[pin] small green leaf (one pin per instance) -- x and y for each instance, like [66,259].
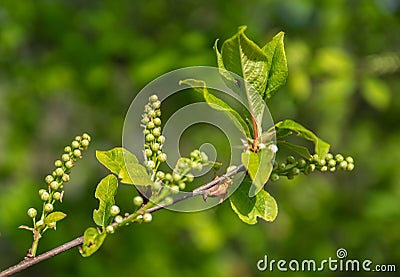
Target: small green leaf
[92,241]
[54,217]
[301,150]
[105,192]
[135,174]
[218,104]
[115,159]
[249,208]
[259,166]
[277,65]
[321,147]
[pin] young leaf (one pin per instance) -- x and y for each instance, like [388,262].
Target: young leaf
[135,174]
[218,104]
[244,58]
[92,241]
[321,147]
[54,217]
[277,65]
[249,208]
[259,166]
[115,159]
[105,192]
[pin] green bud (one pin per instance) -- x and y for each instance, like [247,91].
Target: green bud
[174,189]
[118,219]
[190,177]
[52,225]
[45,196]
[197,166]
[195,154]
[343,165]
[48,208]
[114,210]
[138,200]
[150,125]
[176,177]
[181,185]
[331,163]
[32,212]
[161,139]
[85,143]
[160,175]
[324,168]
[162,157]
[295,171]
[49,179]
[69,164]
[78,138]
[274,177]
[110,229]
[41,191]
[332,169]
[312,167]
[155,146]
[147,217]
[315,157]
[168,177]
[54,185]
[75,144]
[58,163]
[350,167]
[65,157]
[328,157]
[290,160]
[151,164]
[67,149]
[156,132]
[322,162]
[148,153]
[77,153]
[149,137]
[153,98]
[57,196]
[158,113]
[157,121]
[39,223]
[349,160]
[156,105]
[145,119]
[86,136]
[301,163]
[281,167]
[65,177]
[339,158]
[59,171]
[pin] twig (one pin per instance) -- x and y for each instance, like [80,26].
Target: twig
[28,262]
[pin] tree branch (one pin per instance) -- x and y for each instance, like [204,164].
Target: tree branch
[28,262]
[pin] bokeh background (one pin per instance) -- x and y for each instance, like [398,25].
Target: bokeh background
[68,67]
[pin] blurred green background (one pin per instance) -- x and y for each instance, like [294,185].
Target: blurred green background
[68,67]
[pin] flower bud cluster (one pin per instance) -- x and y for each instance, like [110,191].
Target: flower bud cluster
[293,167]
[181,175]
[154,139]
[55,181]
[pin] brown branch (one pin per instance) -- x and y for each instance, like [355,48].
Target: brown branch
[28,262]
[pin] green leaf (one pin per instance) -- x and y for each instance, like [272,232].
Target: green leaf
[259,166]
[277,69]
[135,174]
[115,159]
[301,150]
[54,217]
[243,57]
[92,241]
[321,147]
[105,192]
[218,104]
[249,208]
